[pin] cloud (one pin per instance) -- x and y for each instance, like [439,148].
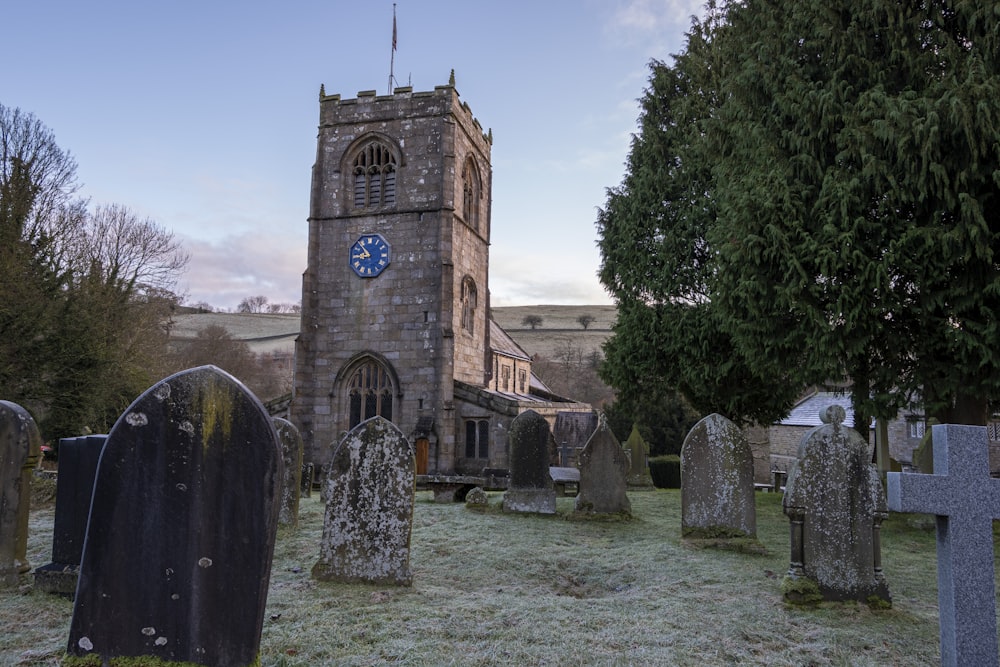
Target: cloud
[651,21]
[224,272]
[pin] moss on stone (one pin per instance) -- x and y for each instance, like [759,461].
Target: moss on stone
[878,602]
[801,591]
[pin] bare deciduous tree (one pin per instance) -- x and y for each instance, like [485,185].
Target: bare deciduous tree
[533,321]
[252,304]
[585,321]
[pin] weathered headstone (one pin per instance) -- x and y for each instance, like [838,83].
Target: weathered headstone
[477,498]
[965,500]
[20,447]
[370,490]
[717,492]
[179,542]
[638,450]
[603,472]
[78,459]
[530,489]
[306,483]
[291,455]
[835,504]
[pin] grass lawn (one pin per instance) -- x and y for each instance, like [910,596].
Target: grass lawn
[498,589]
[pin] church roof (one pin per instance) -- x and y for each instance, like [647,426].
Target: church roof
[502,343]
[806,412]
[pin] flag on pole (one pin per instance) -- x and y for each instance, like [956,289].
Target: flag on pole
[394,26]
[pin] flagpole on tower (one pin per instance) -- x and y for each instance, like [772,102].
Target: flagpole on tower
[392,59]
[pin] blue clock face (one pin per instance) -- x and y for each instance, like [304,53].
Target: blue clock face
[370,255]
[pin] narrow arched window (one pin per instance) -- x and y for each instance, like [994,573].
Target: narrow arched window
[374,176]
[471,193]
[370,393]
[469,298]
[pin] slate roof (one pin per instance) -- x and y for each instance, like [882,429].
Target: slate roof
[806,412]
[502,343]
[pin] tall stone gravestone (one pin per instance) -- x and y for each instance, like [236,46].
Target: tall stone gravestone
[835,504]
[638,450]
[20,447]
[370,488]
[291,483]
[570,434]
[530,489]
[965,500]
[78,459]
[603,471]
[717,492]
[179,542]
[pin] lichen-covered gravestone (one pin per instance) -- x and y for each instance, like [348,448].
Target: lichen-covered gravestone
[717,493]
[20,447]
[603,471]
[179,542]
[965,500]
[835,504]
[370,488]
[78,459]
[638,449]
[291,483]
[530,489]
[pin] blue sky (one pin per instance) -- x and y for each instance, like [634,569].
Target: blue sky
[202,115]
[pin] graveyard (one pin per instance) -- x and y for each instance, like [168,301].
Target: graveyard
[495,588]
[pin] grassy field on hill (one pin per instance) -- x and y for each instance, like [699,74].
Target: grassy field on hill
[499,589]
[559,327]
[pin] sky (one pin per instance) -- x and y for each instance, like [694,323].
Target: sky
[202,116]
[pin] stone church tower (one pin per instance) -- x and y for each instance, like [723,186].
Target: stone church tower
[395,296]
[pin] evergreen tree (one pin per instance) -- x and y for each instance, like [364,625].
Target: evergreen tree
[818,181]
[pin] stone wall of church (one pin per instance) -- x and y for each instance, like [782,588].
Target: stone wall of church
[405,317]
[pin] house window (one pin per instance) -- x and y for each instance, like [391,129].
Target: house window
[374,176]
[522,380]
[468,297]
[916,429]
[993,431]
[477,439]
[471,189]
[505,378]
[370,393]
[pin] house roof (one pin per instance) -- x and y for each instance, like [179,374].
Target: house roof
[502,343]
[806,412]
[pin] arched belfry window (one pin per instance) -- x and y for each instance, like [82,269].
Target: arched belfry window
[370,391]
[471,193]
[374,175]
[469,298]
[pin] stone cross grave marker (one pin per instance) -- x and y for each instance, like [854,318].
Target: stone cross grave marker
[20,447]
[835,505]
[965,500]
[291,483]
[603,471]
[717,493]
[530,489]
[177,557]
[370,488]
[78,459]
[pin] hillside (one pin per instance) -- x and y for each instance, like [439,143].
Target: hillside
[559,328]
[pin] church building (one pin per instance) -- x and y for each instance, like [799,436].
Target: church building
[395,296]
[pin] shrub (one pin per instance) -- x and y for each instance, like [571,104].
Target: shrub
[665,471]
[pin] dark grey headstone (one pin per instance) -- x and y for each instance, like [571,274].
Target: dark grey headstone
[530,489]
[717,492]
[965,500]
[179,542]
[291,454]
[78,459]
[571,432]
[835,504]
[20,447]
[370,491]
[603,472]
[306,483]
